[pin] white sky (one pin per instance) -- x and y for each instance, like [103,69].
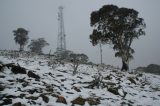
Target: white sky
[40,18]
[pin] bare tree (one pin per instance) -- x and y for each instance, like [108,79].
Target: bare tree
[76,60]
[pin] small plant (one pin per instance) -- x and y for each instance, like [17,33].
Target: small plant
[76,60]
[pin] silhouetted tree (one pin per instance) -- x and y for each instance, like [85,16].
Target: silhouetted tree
[21,37]
[76,60]
[117,27]
[37,45]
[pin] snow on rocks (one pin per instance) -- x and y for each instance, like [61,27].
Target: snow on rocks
[45,85]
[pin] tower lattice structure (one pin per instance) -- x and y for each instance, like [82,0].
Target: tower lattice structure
[61,44]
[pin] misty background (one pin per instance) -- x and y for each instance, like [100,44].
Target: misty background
[39,17]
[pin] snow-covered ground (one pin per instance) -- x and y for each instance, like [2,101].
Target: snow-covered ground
[58,82]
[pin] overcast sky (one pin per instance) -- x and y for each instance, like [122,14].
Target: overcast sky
[40,18]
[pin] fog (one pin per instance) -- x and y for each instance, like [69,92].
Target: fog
[39,17]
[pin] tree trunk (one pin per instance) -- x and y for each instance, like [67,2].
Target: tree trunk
[21,48]
[75,71]
[75,68]
[100,45]
[125,65]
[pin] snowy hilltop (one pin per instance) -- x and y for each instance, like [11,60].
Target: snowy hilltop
[34,81]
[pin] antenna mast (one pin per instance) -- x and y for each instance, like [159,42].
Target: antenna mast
[61,44]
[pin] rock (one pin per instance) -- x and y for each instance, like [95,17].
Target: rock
[62,80]
[18,70]
[79,101]
[70,92]
[6,102]
[22,96]
[11,80]
[132,80]
[1,67]
[2,88]
[31,91]
[76,89]
[140,75]
[1,76]
[93,101]
[108,77]
[25,84]
[59,75]
[19,89]
[61,99]
[33,75]
[55,95]
[37,80]
[49,88]
[131,102]
[2,96]
[10,65]
[20,80]
[32,102]
[18,104]
[113,90]
[11,96]
[79,77]
[124,103]
[117,91]
[32,98]
[45,98]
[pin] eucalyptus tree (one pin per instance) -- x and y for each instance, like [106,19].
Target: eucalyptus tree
[37,45]
[117,27]
[21,37]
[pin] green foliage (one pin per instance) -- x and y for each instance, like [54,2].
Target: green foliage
[37,45]
[21,37]
[117,27]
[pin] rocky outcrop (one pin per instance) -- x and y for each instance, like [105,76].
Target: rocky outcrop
[6,102]
[61,99]
[117,91]
[76,89]
[33,75]
[18,104]
[32,98]
[132,80]
[79,101]
[93,101]
[18,70]
[45,98]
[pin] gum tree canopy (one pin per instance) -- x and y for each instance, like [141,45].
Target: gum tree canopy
[37,45]
[117,27]
[21,37]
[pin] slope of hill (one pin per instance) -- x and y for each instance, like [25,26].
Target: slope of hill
[45,85]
